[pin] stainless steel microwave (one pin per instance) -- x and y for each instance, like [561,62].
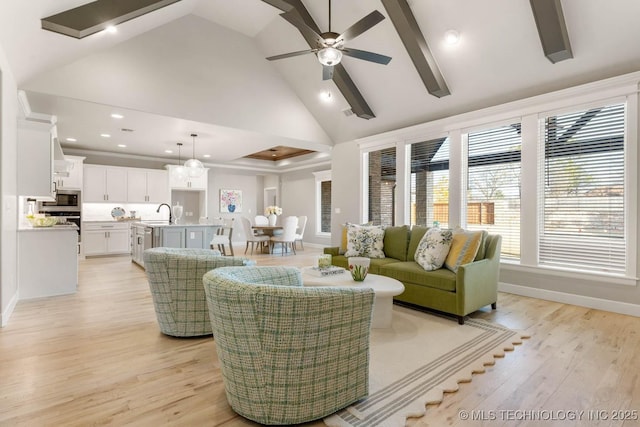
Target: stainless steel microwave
[65,199]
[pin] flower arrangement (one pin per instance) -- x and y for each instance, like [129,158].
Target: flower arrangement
[273,210]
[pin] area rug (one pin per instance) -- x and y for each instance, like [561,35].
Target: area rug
[418,359]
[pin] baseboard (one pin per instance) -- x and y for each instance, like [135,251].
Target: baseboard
[565,298]
[7,313]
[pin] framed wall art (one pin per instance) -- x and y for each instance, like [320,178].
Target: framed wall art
[231,201]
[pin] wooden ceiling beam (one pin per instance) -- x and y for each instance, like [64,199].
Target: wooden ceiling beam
[341,78]
[552,29]
[414,42]
[96,16]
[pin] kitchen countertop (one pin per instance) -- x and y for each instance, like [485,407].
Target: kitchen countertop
[160,224]
[65,227]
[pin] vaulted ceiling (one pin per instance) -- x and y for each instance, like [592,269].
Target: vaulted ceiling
[199,66]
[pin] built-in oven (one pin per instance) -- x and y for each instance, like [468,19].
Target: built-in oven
[66,200]
[69,216]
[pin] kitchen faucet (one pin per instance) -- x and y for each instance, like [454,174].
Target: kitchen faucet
[170,216]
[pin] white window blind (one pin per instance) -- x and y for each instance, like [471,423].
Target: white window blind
[430,182]
[583,212]
[493,185]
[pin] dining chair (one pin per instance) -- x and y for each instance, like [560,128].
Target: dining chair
[302,223]
[251,236]
[223,238]
[288,236]
[262,221]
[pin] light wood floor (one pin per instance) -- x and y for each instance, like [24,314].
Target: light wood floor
[98,358]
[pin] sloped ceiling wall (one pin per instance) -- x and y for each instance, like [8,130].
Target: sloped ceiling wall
[189,68]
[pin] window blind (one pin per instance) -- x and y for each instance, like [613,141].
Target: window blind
[430,182]
[493,185]
[583,213]
[382,182]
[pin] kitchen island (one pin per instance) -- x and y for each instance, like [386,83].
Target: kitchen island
[47,261]
[153,234]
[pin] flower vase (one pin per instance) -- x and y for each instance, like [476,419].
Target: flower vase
[272,220]
[359,267]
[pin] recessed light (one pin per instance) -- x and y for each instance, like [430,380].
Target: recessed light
[111,29]
[105,135]
[71,140]
[207,155]
[325,96]
[274,155]
[168,151]
[452,37]
[117,116]
[122,146]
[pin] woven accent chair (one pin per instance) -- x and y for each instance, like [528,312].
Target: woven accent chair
[288,353]
[175,279]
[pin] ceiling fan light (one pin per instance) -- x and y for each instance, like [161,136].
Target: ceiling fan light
[329,56]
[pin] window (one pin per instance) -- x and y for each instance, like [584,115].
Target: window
[430,182]
[323,202]
[382,183]
[583,214]
[493,185]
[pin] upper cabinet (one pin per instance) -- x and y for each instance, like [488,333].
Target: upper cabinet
[35,149]
[74,180]
[150,186]
[195,184]
[104,184]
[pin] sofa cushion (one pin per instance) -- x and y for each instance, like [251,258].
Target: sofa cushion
[433,248]
[366,241]
[374,267]
[417,231]
[464,248]
[396,240]
[411,272]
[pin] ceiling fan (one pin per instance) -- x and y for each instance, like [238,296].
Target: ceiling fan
[330,46]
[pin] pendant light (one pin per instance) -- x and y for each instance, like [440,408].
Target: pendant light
[179,172]
[194,167]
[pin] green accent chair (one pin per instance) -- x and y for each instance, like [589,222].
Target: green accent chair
[288,353]
[175,280]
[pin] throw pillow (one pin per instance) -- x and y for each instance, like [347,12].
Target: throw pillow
[343,240]
[396,240]
[433,248]
[464,247]
[367,241]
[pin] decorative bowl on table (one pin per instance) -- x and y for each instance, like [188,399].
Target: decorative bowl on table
[47,221]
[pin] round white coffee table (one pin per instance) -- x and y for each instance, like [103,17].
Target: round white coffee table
[385,288]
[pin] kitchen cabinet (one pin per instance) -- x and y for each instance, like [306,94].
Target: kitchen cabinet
[35,153]
[147,186]
[74,180]
[105,238]
[187,236]
[196,184]
[104,184]
[173,237]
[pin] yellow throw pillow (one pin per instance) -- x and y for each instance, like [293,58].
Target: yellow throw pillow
[464,248]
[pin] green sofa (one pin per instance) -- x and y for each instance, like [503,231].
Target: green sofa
[474,286]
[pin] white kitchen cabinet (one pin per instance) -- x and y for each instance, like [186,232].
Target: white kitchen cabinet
[74,180]
[147,186]
[196,184]
[35,154]
[105,238]
[104,184]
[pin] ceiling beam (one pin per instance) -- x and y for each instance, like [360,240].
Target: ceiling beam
[552,29]
[340,76]
[93,17]
[416,46]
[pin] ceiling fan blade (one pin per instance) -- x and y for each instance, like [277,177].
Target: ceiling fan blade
[367,56]
[291,54]
[327,72]
[308,32]
[361,26]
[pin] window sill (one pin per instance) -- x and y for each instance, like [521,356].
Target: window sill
[614,279]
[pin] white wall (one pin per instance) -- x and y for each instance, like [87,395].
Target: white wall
[228,179]
[8,175]
[345,188]
[299,198]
